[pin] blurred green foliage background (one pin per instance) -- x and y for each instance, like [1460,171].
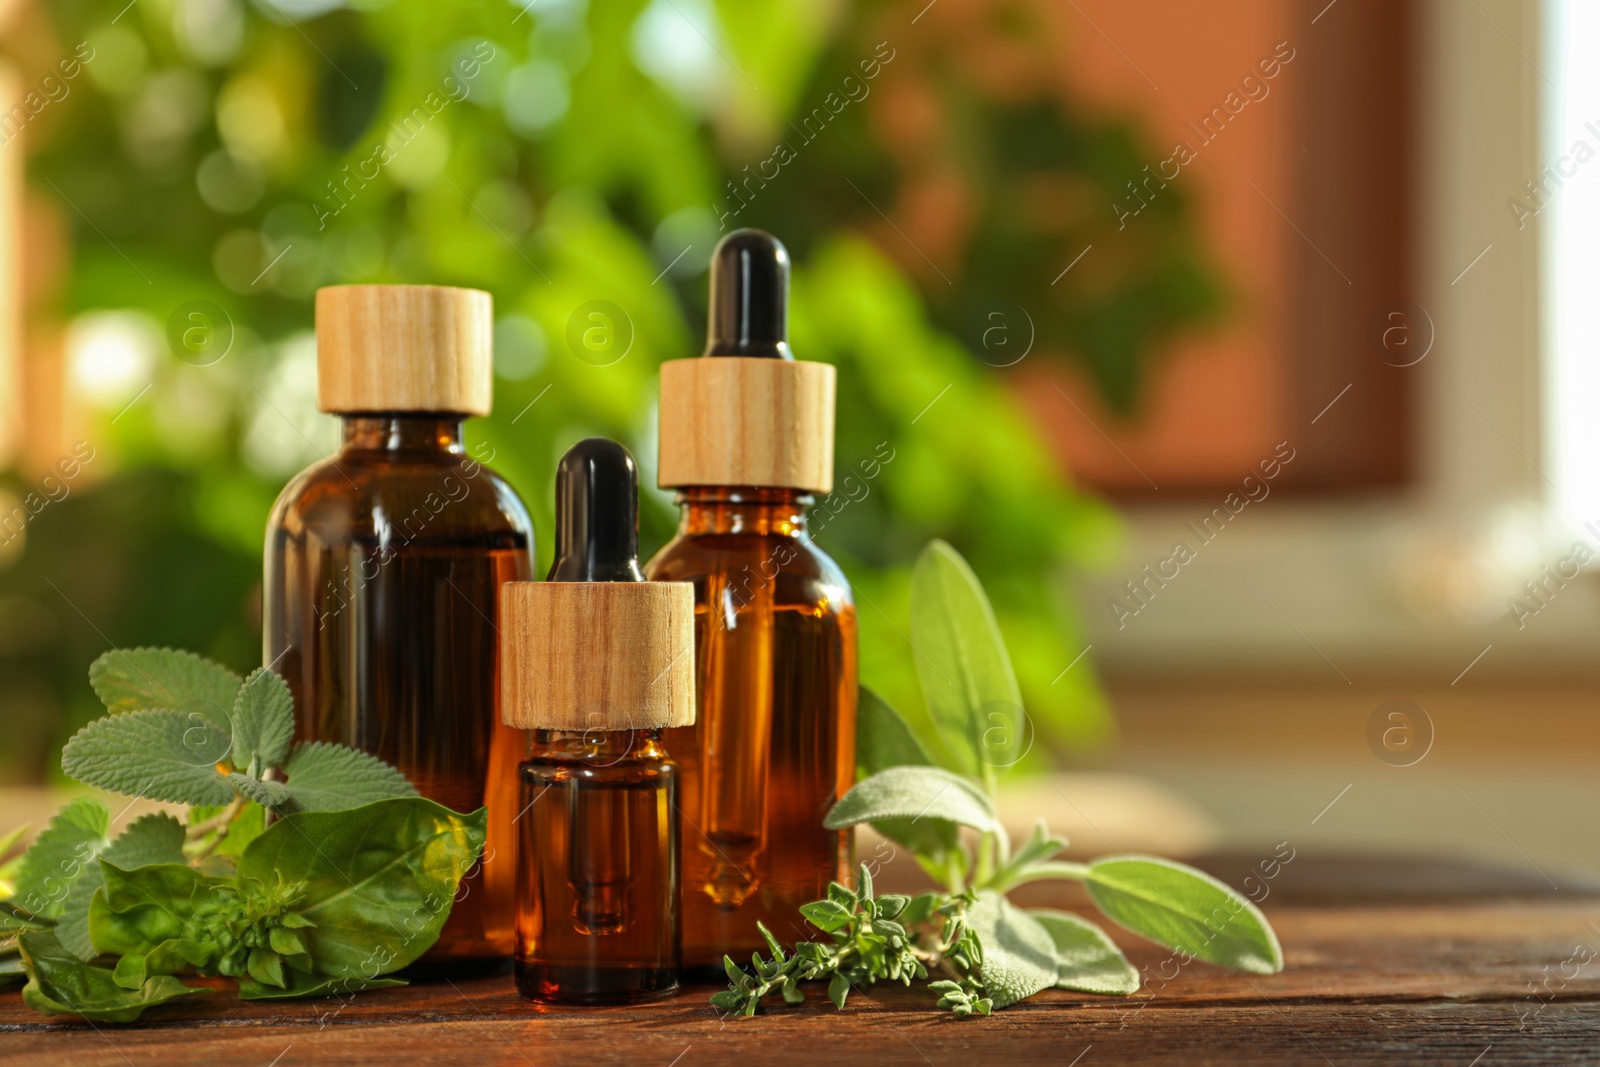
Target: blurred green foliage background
[223,151]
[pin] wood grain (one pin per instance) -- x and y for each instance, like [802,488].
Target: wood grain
[733,420]
[597,655]
[404,348]
[1367,983]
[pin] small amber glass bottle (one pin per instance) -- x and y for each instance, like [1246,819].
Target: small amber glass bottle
[597,662]
[746,437]
[383,570]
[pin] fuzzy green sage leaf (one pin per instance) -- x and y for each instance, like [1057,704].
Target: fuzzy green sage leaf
[1086,959]
[1185,910]
[141,679]
[158,755]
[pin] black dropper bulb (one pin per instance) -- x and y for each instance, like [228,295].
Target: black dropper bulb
[597,514]
[749,297]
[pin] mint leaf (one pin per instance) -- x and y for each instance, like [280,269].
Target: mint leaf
[159,755]
[883,738]
[141,679]
[61,984]
[327,777]
[1086,959]
[149,839]
[966,673]
[59,856]
[1186,910]
[914,793]
[267,794]
[262,723]
[1019,957]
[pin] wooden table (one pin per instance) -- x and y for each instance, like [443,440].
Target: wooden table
[1387,962]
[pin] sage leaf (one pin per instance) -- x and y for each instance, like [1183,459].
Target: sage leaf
[297,984]
[158,755]
[883,738]
[967,679]
[1086,959]
[59,856]
[377,881]
[262,723]
[914,793]
[156,838]
[1185,910]
[59,983]
[1019,957]
[142,679]
[326,777]
[267,794]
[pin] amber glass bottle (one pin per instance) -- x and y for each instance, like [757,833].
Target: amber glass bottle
[746,437]
[383,570]
[597,662]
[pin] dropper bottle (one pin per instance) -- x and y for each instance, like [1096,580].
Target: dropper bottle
[746,438]
[597,662]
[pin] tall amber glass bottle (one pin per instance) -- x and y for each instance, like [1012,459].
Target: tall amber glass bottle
[597,662]
[384,565]
[746,438]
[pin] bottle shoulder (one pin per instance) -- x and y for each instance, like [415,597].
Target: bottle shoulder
[786,560]
[448,498]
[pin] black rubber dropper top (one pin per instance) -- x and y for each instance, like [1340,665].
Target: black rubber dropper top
[597,514]
[749,297]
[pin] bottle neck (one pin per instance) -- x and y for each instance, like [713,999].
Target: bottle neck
[743,510]
[599,747]
[397,434]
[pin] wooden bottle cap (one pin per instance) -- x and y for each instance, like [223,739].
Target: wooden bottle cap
[597,655]
[404,348]
[747,421]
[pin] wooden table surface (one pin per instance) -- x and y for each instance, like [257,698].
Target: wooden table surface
[1391,962]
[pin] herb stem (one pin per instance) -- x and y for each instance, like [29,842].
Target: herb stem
[217,824]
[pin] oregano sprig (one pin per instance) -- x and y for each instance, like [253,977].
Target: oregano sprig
[300,870]
[929,786]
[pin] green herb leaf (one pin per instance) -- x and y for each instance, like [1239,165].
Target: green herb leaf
[966,673]
[883,738]
[378,881]
[828,916]
[1026,863]
[838,989]
[61,984]
[263,723]
[914,793]
[297,984]
[156,838]
[1086,959]
[159,755]
[267,794]
[325,777]
[59,856]
[1186,910]
[139,910]
[1019,957]
[143,679]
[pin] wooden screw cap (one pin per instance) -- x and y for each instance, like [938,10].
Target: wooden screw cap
[404,348]
[747,420]
[597,655]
